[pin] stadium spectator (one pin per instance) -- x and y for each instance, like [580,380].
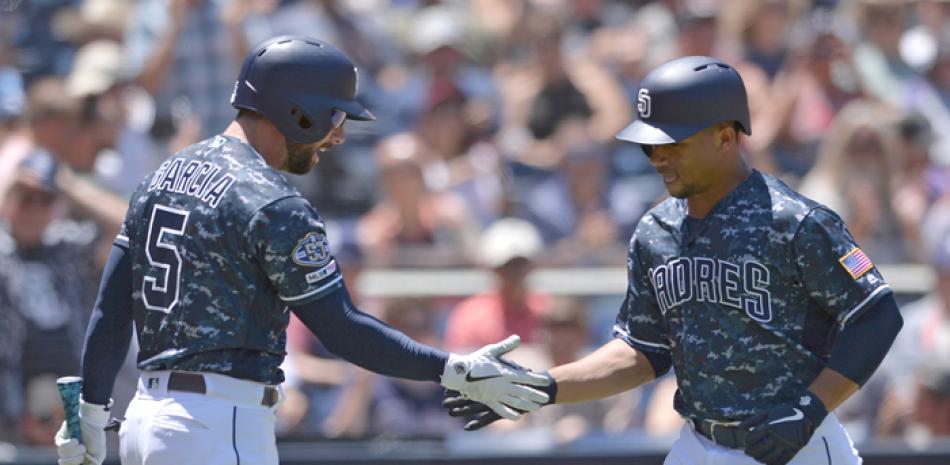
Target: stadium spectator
[57,122]
[570,206]
[185,53]
[48,278]
[926,334]
[929,93]
[877,59]
[39,49]
[816,83]
[490,109]
[931,417]
[856,176]
[508,248]
[122,152]
[412,225]
[922,181]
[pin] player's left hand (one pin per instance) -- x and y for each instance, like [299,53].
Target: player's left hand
[503,387]
[92,450]
[776,435]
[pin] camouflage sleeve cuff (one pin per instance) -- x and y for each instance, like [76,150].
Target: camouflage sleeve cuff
[639,344]
[850,315]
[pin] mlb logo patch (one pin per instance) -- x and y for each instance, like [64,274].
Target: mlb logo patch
[316,276]
[856,262]
[312,250]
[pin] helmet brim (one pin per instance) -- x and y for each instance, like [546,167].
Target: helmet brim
[356,111]
[643,133]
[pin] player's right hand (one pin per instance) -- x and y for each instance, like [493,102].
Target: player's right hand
[92,449]
[503,387]
[479,415]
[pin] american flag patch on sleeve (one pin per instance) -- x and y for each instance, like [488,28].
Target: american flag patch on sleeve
[856,262]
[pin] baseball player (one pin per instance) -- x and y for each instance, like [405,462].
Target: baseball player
[767,309]
[215,250]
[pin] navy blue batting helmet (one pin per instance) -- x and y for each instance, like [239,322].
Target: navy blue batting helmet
[297,83]
[684,96]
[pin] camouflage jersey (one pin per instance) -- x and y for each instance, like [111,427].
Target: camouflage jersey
[747,303]
[221,244]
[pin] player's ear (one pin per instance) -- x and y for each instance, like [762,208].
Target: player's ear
[726,136]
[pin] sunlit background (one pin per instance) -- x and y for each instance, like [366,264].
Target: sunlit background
[489,197]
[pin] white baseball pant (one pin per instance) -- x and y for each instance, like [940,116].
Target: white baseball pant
[830,445]
[225,426]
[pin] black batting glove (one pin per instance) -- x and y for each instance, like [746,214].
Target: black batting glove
[478,414]
[776,435]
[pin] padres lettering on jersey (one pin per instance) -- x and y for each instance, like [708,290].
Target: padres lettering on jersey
[221,244]
[746,303]
[704,279]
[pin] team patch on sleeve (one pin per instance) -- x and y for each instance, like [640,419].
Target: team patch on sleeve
[312,250]
[856,262]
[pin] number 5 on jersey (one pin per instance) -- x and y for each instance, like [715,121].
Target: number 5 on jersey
[161,282]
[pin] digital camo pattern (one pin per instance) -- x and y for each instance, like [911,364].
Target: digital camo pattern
[221,243]
[70,388]
[749,303]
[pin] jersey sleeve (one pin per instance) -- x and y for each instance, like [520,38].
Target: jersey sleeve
[639,322]
[290,244]
[835,272]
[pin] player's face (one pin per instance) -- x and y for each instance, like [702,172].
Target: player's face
[301,158]
[690,166]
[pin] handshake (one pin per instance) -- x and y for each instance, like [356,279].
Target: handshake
[484,384]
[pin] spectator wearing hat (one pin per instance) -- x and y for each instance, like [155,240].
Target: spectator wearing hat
[508,248]
[47,274]
[50,121]
[58,129]
[121,152]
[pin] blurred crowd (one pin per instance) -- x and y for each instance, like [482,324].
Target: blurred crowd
[494,149]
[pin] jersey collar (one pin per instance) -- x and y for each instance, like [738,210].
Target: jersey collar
[674,219]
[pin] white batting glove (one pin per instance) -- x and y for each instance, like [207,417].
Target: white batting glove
[483,377]
[70,450]
[92,450]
